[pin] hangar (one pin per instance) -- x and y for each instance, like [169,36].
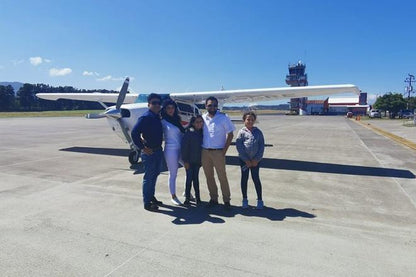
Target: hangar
[337,106]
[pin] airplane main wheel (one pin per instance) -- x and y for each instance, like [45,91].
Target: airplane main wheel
[134,157]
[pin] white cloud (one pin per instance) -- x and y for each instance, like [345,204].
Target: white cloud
[90,73]
[59,71]
[17,62]
[106,78]
[38,60]
[86,73]
[117,79]
[111,78]
[35,60]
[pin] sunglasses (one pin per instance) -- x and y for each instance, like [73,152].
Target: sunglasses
[212,105]
[155,103]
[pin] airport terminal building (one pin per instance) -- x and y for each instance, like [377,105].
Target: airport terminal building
[357,105]
[337,106]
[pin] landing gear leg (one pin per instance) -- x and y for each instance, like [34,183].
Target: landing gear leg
[134,157]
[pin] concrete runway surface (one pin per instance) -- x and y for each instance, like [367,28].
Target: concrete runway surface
[340,201]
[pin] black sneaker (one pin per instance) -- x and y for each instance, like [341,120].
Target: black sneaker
[155,201]
[187,202]
[227,206]
[212,203]
[198,201]
[152,207]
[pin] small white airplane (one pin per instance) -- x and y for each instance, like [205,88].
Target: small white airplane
[129,107]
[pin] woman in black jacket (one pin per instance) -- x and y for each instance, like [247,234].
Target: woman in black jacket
[191,155]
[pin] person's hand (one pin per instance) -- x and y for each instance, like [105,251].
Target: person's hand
[147,150]
[248,164]
[254,163]
[186,165]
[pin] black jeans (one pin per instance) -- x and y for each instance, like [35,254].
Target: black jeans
[192,177]
[254,175]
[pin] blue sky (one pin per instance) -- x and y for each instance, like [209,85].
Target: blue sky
[174,46]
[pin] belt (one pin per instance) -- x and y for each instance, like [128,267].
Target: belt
[213,149]
[156,148]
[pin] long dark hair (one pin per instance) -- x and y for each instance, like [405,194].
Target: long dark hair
[176,118]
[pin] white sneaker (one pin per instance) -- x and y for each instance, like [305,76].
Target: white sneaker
[176,201]
[245,203]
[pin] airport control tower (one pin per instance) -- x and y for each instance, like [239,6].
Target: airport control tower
[297,78]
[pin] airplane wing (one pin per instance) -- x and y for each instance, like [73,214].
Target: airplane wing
[224,96]
[265,94]
[95,96]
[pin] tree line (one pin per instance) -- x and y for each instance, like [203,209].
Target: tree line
[25,99]
[394,102]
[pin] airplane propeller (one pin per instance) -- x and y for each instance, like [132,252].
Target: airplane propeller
[122,94]
[113,112]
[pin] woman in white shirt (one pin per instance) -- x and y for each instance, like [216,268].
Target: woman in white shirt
[173,132]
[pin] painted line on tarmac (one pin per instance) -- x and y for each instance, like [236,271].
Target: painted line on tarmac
[389,135]
[380,161]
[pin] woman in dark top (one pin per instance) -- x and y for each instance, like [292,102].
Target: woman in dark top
[191,155]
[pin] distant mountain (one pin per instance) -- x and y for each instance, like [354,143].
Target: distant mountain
[16,85]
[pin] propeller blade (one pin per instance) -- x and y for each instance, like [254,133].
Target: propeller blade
[122,93]
[95,115]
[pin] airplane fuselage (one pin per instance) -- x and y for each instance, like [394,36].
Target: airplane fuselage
[131,113]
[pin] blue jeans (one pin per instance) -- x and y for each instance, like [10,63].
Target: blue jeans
[254,175]
[192,176]
[152,164]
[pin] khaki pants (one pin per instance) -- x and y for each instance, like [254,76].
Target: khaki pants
[215,159]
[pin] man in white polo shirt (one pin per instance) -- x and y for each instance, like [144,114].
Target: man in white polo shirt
[218,134]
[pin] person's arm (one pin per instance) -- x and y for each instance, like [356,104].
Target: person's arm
[136,133]
[229,128]
[228,142]
[185,150]
[242,154]
[260,151]
[239,143]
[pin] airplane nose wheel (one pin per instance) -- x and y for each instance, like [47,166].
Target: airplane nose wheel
[134,157]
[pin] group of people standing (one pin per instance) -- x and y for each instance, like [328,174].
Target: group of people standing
[203,143]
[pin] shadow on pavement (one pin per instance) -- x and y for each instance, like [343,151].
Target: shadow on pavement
[272,164]
[328,168]
[199,214]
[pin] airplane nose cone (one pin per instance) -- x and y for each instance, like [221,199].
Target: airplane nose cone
[114,113]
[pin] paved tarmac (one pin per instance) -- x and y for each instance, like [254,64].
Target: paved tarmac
[341,201]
